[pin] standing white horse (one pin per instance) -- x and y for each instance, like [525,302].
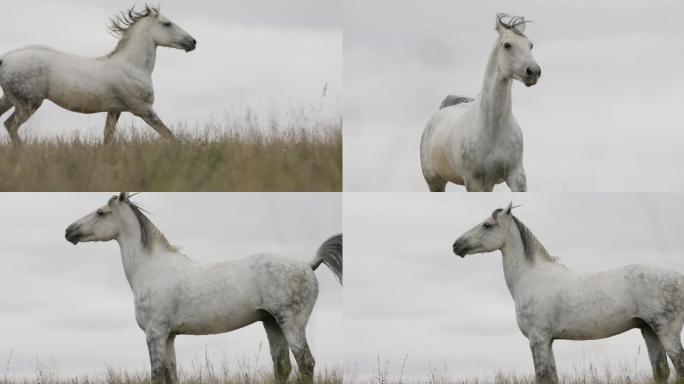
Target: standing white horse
[175,295]
[553,302]
[478,143]
[118,82]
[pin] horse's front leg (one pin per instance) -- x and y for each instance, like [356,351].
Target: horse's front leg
[474,185]
[544,364]
[516,180]
[157,342]
[151,118]
[171,359]
[110,126]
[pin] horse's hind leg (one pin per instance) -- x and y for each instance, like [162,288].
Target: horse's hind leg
[296,337]
[657,355]
[19,116]
[669,336]
[110,126]
[280,352]
[5,105]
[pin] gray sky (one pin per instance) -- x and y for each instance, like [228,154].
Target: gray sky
[267,55]
[407,293]
[603,117]
[71,307]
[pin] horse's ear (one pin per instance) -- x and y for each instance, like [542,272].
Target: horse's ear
[123,196]
[521,26]
[499,16]
[509,208]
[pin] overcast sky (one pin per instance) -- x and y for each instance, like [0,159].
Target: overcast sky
[268,55]
[605,115]
[70,307]
[406,293]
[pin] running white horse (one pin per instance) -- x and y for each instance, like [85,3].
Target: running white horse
[478,143]
[175,295]
[553,302]
[118,82]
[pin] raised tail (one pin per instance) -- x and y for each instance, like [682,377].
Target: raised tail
[454,100]
[330,254]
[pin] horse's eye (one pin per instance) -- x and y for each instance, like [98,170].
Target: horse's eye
[486,225]
[531,45]
[166,23]
[100,212]
[507,45]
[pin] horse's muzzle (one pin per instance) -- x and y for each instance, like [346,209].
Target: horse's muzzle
[72,235]
[532,75]
[460,248]
[191,46]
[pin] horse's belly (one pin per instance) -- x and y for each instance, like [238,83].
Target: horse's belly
[82,98]
[217,322]
[595,315]
[598,329]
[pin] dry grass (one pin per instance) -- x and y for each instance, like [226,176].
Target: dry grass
[583,372]
[201,372]
[209,159]
[113,377]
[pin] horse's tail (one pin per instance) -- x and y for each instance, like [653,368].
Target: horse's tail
[330,254]
[454,100]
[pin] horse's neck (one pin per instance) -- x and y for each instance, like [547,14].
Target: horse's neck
[138,260]
[495,96]
[134,258]
[516,267]
[138,49]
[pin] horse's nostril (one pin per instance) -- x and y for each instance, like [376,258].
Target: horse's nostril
[194,41]
[529,71]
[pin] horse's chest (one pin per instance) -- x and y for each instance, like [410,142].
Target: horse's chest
[491,161]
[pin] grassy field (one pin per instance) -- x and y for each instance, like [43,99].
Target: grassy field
[201,371]
[327,377]
[210,159]
[582,372]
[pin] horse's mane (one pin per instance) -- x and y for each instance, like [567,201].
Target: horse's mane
[149,233]
[122,22]
[511,22]
[533,248]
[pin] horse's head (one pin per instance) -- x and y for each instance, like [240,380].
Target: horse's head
[167,34]
[514,49]
[150,21]
[103,224]
[488,236]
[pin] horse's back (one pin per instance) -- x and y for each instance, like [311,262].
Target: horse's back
[76,83]
[653,284]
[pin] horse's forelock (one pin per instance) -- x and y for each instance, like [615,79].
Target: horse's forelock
[512,22]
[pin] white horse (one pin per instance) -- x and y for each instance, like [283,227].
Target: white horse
[175,295]
[478,143]
[118,82]
[553,302]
